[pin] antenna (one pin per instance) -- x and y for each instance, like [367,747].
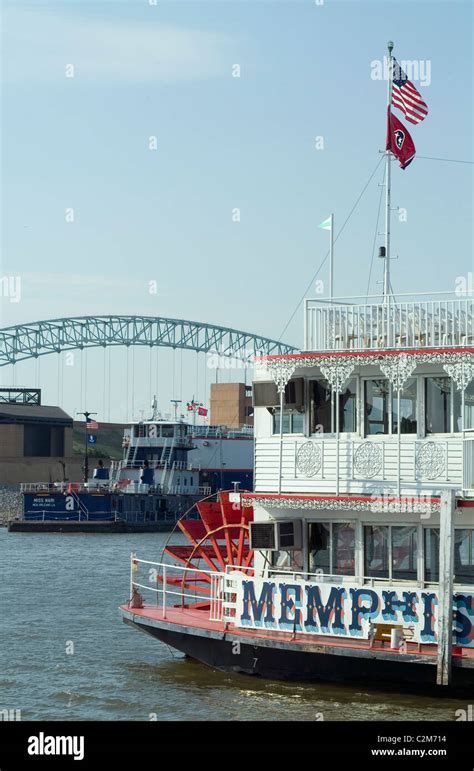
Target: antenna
[175,403]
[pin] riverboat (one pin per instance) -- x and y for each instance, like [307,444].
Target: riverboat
[352,560]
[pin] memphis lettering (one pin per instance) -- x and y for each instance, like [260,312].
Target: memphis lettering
[348,611]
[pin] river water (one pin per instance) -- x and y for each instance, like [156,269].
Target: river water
[66,654]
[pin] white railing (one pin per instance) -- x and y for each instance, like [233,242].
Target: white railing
[158,574]
[65,487]
[223,586]
[183,465]
[187,490]
[180,442]
[426,323]
[352,465]
[222,597]
[138,464]
[370,581]
[135,486]
[160,465]
[78,516]
[217,597]
[468,462]
[132,486]
[216,432]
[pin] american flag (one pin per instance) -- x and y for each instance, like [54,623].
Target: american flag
[406,97]
[92,424]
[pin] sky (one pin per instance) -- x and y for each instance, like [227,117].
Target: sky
[194,147]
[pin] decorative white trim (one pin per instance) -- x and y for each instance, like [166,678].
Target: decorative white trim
[308,459]
[368,460]
[398,369]
[358,358]
[373,504]
[431,460]
[336,372]
[461,372]
[281,370]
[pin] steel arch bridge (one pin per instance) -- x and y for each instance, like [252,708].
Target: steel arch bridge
[26,341]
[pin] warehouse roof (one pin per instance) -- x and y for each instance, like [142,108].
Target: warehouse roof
[33,413]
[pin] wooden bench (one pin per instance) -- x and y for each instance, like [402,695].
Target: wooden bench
[383,632]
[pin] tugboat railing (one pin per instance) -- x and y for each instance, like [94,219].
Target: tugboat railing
[161,465]
[65,487]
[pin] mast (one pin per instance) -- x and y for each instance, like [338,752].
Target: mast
[388,159]
[331,261]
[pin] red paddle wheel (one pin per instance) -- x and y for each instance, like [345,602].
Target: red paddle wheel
[219,538]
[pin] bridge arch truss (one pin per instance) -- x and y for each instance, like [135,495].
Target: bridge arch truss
[26,341]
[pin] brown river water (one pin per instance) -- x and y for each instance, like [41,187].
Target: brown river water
[66,654]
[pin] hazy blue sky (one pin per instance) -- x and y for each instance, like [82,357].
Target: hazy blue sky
[223,142]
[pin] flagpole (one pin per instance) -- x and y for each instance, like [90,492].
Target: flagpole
[331,260]
[388,159]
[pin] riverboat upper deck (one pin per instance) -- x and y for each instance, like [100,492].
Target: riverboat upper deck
[441,320]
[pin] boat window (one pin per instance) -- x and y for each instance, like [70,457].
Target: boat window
[167,431]
[323,418]
[390,551]
[288,560]
[320,407]
[331,547]
[469,406]
[404,552]
[343,549]
[348,408]
[438,405]
[376,409]
[376,551]
[408,399]
[432,554]
[463,555]
[319,553]
[293,421]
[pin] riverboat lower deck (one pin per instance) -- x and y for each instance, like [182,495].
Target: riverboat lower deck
[295,656]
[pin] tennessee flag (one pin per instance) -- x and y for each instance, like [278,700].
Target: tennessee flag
[399,141]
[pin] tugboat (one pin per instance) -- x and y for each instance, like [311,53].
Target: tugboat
[353,558]
[167,466]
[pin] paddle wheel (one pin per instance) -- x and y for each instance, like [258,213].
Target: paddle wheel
[218,540]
